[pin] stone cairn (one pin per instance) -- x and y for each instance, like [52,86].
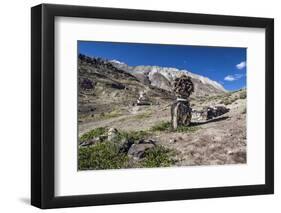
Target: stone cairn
[181,111]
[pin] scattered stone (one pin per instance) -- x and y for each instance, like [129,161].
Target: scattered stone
[209,112]
[112,134]
[148,141]
[173,140]
[216,111]
[125,145]
[91,141]
[199,114]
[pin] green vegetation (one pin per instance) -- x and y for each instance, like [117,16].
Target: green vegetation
[157,157]
[101,156]
[93,133]
[162,126]
[101,131]
[166,126]
[187,129]
[132,135]
[107,155]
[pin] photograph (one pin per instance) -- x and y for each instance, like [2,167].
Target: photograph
[144,105]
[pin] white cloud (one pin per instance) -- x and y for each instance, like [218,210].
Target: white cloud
[241,65]
[233,77]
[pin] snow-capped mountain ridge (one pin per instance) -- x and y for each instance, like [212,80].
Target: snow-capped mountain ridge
[162,77]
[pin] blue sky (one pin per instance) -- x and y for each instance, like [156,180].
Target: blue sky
[226,65]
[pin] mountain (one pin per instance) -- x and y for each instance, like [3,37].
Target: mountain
[110,87]
[106,89]
[162,77]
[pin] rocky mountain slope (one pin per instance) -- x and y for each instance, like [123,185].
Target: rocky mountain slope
[162,77]
[105,90]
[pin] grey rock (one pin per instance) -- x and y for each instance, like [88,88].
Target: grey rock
[91,141]
[112,134]
[173,140]
[216,111]
[125,145]
[146,141]
[137,151]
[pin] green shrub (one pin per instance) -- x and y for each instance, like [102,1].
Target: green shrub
[101,156]
[157,157]
[93,133]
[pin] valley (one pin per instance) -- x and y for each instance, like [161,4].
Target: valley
[108,101]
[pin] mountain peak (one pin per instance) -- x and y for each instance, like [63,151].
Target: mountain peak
[162,77]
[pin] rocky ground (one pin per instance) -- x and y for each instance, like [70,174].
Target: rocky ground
[221,140]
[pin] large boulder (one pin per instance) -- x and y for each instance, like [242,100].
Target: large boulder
[123,144]
[137,151]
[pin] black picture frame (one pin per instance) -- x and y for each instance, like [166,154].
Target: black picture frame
[43,102]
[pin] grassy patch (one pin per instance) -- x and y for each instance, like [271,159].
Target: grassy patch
[93,133]
[107,155]
[166,126]
[157,157]
[187,129]
[133,135]
[163,126]
[101,156]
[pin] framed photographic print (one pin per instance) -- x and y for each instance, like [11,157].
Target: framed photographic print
[139,106]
